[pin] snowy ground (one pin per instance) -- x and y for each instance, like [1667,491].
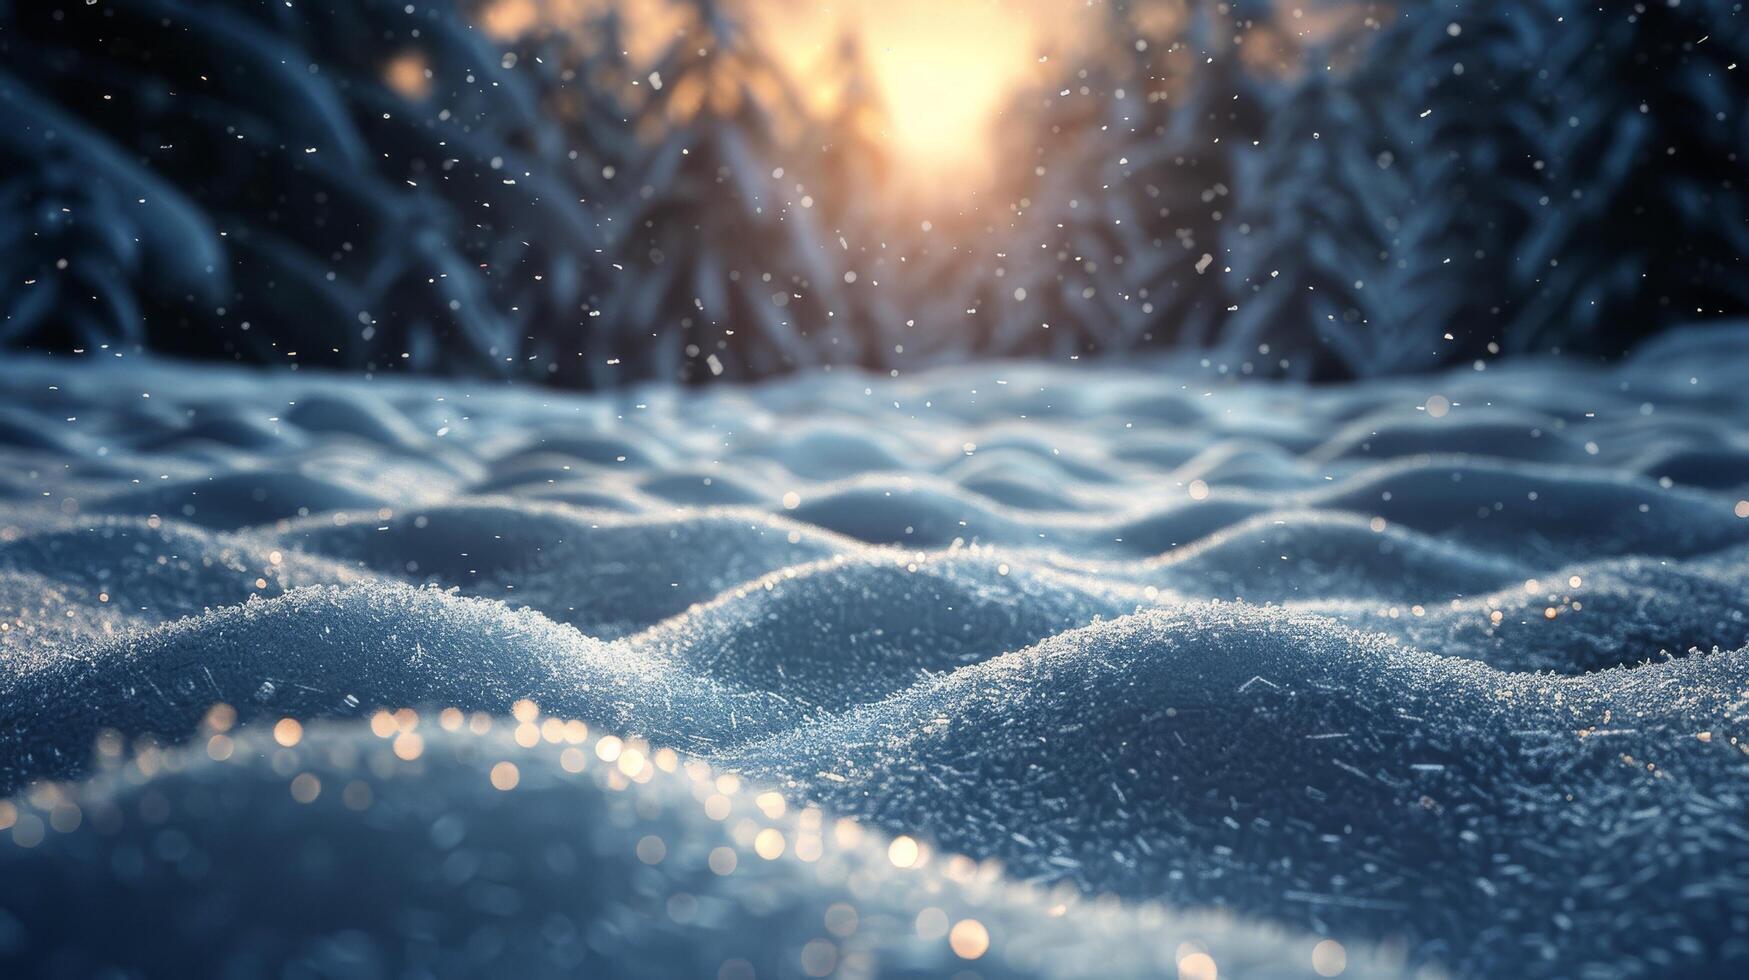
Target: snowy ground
[1154,675]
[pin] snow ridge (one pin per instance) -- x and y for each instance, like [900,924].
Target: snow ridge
[1454,664]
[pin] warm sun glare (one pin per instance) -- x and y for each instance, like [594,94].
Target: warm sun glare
[944,69]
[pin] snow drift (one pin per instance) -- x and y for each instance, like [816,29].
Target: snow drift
[1451,670]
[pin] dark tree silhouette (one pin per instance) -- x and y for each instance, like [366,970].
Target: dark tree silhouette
[345,220]
[725,269]
[1476,178]
[1325,189]
[1117,239]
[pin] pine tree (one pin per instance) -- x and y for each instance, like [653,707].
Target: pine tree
[1479,178]
[1350,208]
[85,237]
[1642,139]
[1117,249]
[849,177]
[590,94]
[379,182]
[724,268]
[1329,190]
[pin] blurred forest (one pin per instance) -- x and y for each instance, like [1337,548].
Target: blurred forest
[1310,188]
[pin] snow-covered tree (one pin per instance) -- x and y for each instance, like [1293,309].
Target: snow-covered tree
[724,268]
[379,186]
[1328,188]
[850,178]
[1470,178]
[1116,240]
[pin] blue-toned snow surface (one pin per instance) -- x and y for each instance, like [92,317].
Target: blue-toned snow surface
[1007,670]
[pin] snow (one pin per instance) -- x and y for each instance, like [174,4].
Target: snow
[1452,690]
[480,856]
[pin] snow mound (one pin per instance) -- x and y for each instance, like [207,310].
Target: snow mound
[324,651]
[1186,754]
[466,853]
[1454,666]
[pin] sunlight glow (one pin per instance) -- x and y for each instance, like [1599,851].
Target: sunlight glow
[943,70]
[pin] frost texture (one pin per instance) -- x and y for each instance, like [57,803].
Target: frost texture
[570,875]
[1453,664]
